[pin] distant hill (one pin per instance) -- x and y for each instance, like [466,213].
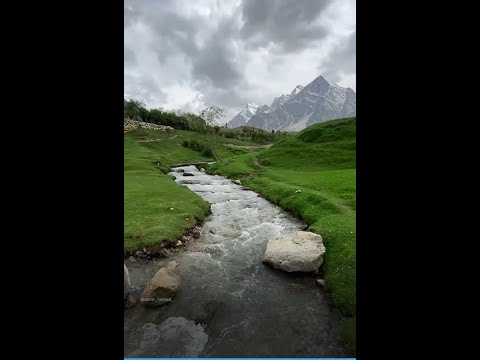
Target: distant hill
[329,145]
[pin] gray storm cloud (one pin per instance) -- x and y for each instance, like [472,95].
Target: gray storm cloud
[188,54]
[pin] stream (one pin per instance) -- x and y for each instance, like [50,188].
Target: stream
[229,303]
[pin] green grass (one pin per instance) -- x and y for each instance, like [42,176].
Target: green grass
[149,193]
[313,175]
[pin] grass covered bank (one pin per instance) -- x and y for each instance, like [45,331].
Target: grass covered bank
[150,194]
[313,175]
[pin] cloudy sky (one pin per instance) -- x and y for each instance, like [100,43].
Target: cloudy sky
[188,54]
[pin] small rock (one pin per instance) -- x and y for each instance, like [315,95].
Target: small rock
[130,302]
[200,318]
[202,169]
[172,209]
[238,182]
[186,219]
[298,191]
[205,313]
[179,243]
[211,231]
[187,174]
[321,282]
[139,253]
[184,238]
[171,265]
[165,252]
[179,170]
[196,233]
[132,259]
[213,249]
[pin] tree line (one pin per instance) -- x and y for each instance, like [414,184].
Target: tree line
[204,122]
[136,110]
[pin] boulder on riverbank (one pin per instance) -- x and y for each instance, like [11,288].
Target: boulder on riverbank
[161,288]
[301,251]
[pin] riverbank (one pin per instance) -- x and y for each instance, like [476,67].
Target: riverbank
[229,299]
[156,209]
[313,176]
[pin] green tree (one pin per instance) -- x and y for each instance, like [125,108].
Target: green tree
[134,109]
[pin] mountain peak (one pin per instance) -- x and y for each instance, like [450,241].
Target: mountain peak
[320,77]
[316,102]
[297,89]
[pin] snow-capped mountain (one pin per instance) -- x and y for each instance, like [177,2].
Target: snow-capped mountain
[243,116]
[317,102]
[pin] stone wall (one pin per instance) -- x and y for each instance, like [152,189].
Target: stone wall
[129,125]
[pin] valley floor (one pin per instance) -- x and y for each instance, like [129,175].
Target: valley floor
[312,175]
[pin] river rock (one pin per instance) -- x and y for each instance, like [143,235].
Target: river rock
[205,313]
[213,249]
[238,182]
[321,282]
[165,252]
[126,284]
[171,265]
[196,232]
[139,253]
[186,182]
[202,170]
[179,170]
[301,251]
[187,174]
[161,288]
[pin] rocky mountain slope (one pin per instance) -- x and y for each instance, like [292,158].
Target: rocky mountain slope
[317,102]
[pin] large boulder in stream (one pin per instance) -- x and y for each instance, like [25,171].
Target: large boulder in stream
[301,251]
[161,288]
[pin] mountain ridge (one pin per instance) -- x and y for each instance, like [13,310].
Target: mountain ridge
[314,103]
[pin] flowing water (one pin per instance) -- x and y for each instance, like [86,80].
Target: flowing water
[229,303]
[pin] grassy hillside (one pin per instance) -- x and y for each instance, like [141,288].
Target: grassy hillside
[313,175]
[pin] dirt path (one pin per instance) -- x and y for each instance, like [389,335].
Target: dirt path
[248,146]
[150,140]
